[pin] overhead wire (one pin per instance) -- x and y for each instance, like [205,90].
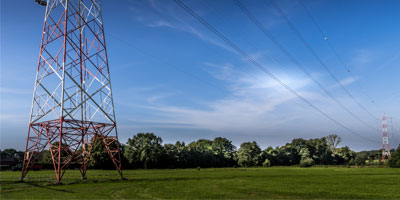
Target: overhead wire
[167,64]
[179,69]
[314,53]
[395,131]
[391,129]
[298,64]
[172,66]
[346,67]
[263,69]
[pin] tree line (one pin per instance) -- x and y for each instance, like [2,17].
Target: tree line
[146,150]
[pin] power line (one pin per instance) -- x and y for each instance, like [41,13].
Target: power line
[165,63]
[337,54]
[262,68]
[172,66]
[300,36]
[169,64]
[288,54]
[394,130]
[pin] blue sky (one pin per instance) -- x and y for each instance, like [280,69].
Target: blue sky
[174,77]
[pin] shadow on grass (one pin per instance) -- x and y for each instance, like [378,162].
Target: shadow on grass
[49,188]
[168,179]
[140,180]
[29,185]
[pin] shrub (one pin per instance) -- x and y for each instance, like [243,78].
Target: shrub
[306,162]
[386,163]
[377,162]
[352,162]
[397,164]
[267,163]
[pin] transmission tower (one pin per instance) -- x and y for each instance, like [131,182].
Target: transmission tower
[385,140]
[72,99]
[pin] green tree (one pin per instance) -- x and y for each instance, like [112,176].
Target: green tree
[184,155]
[98,155]
[8,153]
[344,155]
[306,162]
[64,149]
[170,157]
[272,155]
[249,154]
[304,153]
[201,153]
[266,163]
[395,158]
[144,149]
[361,158]
[224,151]
[320,151]
[289,155]
[333,141]
[177,155]
[15,156]
[45,158]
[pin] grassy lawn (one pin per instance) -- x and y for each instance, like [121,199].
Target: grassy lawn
[230,183]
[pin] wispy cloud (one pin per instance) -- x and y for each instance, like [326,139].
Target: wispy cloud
[188,29]
[15,91]
[167,15]
[159,97]
[363,57]
[345,82]
[14,118]
[249,106]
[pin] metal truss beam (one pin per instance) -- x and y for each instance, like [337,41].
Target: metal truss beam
[72,101]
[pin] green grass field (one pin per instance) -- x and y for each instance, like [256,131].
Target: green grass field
[229,183]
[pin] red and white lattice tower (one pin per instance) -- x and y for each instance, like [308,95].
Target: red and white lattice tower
[385,140]
[72,100]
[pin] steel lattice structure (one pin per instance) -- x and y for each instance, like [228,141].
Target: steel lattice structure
[72,101]
[385,140]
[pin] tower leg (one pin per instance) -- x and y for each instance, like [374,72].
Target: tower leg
[35,144]
[84,163]
[83,171]
[113,150]
[63,142]
[72,98]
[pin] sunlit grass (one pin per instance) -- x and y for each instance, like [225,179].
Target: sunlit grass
[230,183]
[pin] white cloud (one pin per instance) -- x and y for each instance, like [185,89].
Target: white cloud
[363,57]
[345,82]
[15,91]
[188,29]
[13,118]
[249,106]
[159,97]
[162,23]
[170,16]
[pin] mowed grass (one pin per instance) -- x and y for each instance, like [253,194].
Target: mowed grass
[221,183]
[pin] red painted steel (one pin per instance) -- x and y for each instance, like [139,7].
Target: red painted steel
[72,101]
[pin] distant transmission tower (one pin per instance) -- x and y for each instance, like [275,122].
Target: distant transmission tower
[72,101]
[385,140]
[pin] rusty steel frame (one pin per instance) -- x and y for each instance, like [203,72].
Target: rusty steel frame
[72,99]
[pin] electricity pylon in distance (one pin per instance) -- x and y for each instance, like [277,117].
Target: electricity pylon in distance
[385,140]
